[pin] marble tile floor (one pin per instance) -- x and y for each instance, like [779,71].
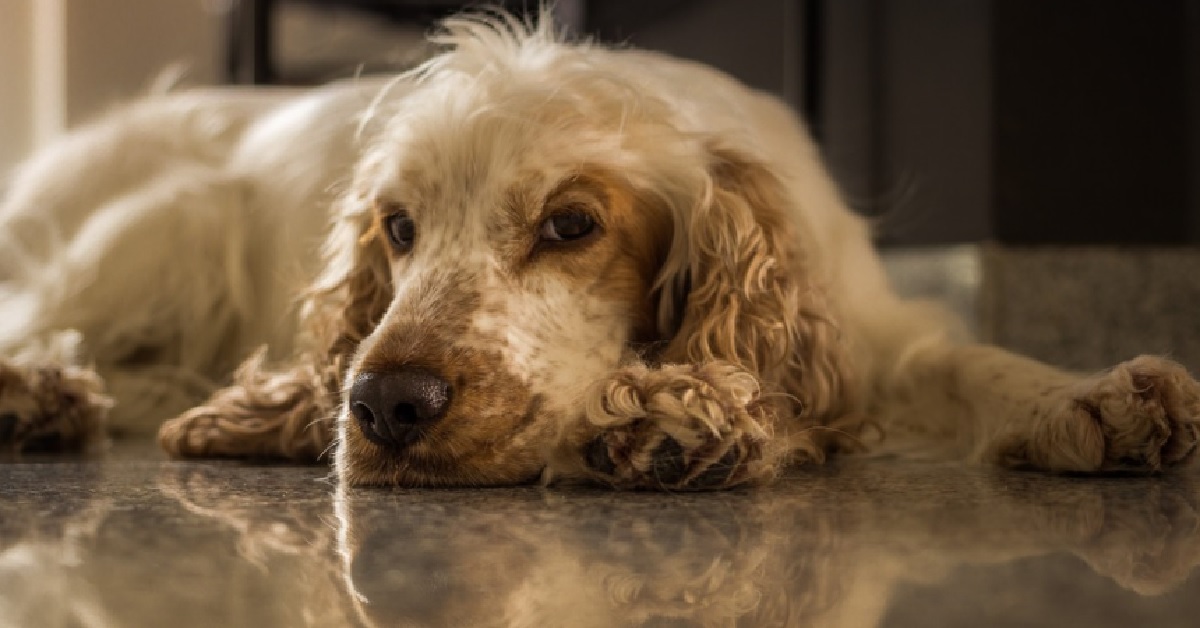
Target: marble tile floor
[130,539]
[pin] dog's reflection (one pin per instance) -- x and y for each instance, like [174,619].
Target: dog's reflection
[285,539]
[819,553]
[836,547]
[45,542]
[202,546]
[531,559]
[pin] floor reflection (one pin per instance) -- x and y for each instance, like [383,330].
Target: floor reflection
[861,544]
[537,559]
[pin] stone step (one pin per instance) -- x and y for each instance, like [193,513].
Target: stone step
[1080,308]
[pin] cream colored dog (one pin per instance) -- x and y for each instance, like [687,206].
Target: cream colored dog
[540,260]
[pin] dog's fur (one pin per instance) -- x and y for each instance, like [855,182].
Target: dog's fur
[727,315]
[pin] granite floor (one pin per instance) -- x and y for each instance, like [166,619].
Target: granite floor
[130,539]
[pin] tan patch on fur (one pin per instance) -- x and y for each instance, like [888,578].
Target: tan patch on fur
[622,265]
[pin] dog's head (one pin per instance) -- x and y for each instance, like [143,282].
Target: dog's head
[527,216]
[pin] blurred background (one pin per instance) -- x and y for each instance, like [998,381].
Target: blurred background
[1029,125]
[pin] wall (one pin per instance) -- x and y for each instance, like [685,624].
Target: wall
[16,62]
[65,61]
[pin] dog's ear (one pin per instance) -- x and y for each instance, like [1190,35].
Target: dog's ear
[354,290]
[288,411]
[737,287]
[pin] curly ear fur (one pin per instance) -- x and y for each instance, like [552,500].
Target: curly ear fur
[347,302]
[289,413]
[751,298]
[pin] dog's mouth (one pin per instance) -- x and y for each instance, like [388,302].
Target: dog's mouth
[434,456]
[432,459]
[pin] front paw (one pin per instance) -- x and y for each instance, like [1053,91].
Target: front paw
[678,427]
[230,431]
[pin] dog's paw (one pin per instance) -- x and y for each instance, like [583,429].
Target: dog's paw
[1143,415]
[266,415]
[1148,410]
[678,427]
[196,433]
[50,408]
[215,431]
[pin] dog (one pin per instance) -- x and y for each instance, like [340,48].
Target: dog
[526,259]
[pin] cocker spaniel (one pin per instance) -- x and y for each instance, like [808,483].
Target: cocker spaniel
[540,259]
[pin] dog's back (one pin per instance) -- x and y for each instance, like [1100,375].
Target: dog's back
[154,232]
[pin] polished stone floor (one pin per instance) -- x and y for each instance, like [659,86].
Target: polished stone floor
[133,540]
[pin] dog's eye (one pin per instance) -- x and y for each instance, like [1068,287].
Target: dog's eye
[567,226]
[400,231]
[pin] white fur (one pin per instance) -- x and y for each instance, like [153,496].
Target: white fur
[181,229]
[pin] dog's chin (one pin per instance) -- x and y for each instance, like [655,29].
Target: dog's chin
[410,474]
[424,465]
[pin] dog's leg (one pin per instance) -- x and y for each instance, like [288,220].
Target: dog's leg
[286,414]
[678,426]
[998,407]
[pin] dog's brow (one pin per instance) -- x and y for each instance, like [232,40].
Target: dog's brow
[579,187]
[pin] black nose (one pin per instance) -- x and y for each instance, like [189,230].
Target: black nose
[393,406]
